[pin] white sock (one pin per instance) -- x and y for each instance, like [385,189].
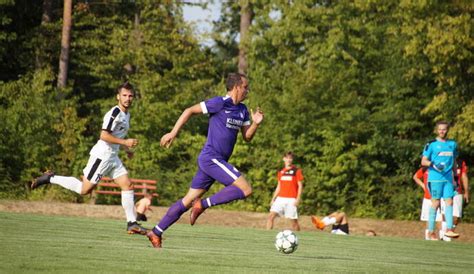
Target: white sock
[329,220]
[128,205]
[427,234]
[70,183]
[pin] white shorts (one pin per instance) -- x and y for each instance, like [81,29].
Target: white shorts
[99,167]
[285,207]
[425,211]
[457,205]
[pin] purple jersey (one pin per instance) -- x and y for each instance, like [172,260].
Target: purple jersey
[225,121]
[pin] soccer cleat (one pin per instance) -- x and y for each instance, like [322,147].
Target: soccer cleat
[196,210]
[317,223]
[42,180]
[154,239]
[451,234]
[135,228]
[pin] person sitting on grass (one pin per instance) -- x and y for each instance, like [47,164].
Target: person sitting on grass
[338,220]
[142,206]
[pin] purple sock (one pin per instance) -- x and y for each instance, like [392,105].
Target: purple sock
[226,195]
[171,216]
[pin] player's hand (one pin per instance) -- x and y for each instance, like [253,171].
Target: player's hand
[466,198]
[297,202]
[130,154]
[438,167]
[167,139]
[131,143]
[257,116]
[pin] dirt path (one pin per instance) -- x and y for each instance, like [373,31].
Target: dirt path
[408,229]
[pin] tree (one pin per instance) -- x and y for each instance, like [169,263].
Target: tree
[246,15]
[65,44]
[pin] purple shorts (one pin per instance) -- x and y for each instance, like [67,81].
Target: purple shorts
[210,170]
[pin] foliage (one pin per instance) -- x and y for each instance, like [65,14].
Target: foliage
[352,87]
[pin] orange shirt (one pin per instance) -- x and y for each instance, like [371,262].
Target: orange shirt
[420,174]
[460,170]
[288,179]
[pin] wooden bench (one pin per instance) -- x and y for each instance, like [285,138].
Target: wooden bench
[106,186]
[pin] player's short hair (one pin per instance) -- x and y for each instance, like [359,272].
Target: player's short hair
[442,123]
[234,79]
[289,153]
[126,85]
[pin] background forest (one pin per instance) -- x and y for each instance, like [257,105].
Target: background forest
[353,88]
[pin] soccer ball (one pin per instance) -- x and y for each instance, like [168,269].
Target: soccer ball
[286,241]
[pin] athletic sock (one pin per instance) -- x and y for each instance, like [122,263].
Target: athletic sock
[448,213]
[329,220]
[70,183]
[129,205]
[226,195]
[427,234]
[172,215]
[432,219]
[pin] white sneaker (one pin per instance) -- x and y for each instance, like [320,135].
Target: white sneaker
[338,232]
[446,239]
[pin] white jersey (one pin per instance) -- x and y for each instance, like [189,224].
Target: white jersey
[117,123]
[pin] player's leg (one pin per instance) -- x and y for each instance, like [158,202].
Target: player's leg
[236,188]
[119,173]
[271,219]
[448,194]
[424,215]
[277,209]
[333,218]
[291,213]
[93,168]
[295,225]
[436,190]
[457,209]
[172,215]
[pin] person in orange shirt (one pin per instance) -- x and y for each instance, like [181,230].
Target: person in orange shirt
[339,222]
[287,194]
[142,206]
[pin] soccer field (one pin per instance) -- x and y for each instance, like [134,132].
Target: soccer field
[39,243]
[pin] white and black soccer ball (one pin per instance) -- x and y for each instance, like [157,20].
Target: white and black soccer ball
[286,241]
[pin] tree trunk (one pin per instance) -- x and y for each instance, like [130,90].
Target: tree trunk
[246,15]
[65,44]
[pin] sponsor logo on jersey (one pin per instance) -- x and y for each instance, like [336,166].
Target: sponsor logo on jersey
[445,153]
[234,123]
[286,178]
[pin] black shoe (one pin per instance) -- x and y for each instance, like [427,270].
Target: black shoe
[136,228]
[42,180]
[141,217]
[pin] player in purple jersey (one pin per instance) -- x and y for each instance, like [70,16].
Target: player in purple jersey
[227,116]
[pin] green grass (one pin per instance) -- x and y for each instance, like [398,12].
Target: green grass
[39,243]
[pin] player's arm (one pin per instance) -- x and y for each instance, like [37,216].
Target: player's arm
[168,138]
[465,184]
[300,191]
[418,181]
[249,131]
[109,138]
[425,162]
[275,193]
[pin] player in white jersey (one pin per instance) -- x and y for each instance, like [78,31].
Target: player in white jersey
[104,160]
